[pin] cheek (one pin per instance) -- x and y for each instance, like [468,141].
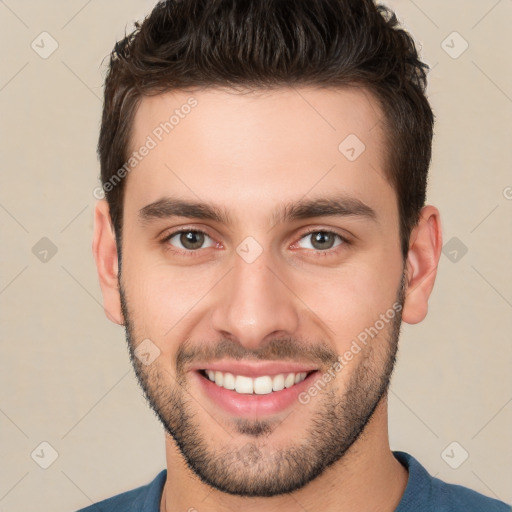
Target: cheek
[350,299]
[162,298]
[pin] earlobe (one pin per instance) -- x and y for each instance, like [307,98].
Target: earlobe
[105,254]
[421,267]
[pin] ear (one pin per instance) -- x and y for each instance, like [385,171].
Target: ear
[423,257]
[105,255]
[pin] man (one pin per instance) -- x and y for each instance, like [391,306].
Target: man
[262,243]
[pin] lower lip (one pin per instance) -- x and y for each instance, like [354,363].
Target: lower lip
[251,404]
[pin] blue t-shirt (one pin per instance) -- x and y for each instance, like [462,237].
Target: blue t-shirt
[423,493]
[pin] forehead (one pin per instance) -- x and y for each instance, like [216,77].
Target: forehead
[258,148]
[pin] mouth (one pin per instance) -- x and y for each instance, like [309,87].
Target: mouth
[262,385]
[251,391]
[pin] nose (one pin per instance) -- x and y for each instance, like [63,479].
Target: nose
[255,303]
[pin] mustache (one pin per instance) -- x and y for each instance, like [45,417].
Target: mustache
[284,349]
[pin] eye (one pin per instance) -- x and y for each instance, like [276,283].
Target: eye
[188,239]
[322,240]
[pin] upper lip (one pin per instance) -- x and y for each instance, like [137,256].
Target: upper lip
[255,369]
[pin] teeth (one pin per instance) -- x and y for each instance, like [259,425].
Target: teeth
[260,385]
[290,380]
[229,381]
[243,384]
[278,382]
[263,385]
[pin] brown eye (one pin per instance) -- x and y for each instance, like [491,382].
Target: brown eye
[190,240]
[322,240]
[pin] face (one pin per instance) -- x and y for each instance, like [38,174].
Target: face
[258,250]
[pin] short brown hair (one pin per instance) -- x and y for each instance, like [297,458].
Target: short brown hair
[184,44]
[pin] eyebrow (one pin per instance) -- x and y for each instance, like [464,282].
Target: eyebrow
[338,206]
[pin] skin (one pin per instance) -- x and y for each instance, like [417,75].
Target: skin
[251,153]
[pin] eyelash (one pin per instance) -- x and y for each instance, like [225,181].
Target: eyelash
[327,252]
[193,253]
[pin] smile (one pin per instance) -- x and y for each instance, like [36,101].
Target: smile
[261,385]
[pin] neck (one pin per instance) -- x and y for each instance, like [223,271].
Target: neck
[367,478]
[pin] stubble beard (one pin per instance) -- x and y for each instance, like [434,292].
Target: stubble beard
[252,468]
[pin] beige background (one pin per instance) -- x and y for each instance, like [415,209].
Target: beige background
[65,374]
